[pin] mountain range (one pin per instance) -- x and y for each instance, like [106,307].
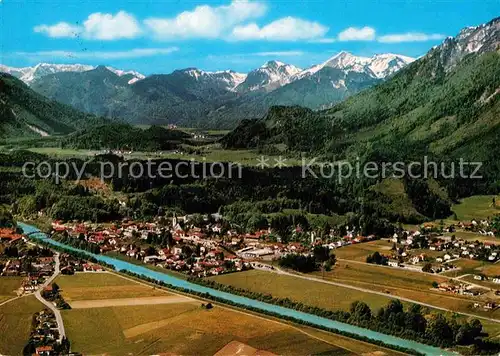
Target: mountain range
[193,97]
[30,74]
[25,113]
[445,104]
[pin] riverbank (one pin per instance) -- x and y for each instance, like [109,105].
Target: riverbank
[313,320]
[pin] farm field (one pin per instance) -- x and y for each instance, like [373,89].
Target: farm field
[491,270]
[184,327]
[213,153]
[407,284]
[308,292]
[472,236]
[93,286]
[337,297]
[467,266]
[209,153]
[359,252]
[9,286]
[345,271]
[15,324]
[477,207]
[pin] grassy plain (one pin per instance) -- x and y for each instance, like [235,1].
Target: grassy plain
[359,252]
[15,324]
[308,292]
[182,329]
[491,270]
[185,328]
[93,286]
[405,284]
[9,286]
[394,282]
[477,207]
[472,236]
[208,153]
[466,266]
[345,271]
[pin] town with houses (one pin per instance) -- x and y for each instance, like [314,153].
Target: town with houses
[205,249]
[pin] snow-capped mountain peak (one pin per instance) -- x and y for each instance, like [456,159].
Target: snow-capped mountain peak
[345,60]
[43,69]
[224,79]
[30,74]
[379,66]
[383,65]
[137,76]
[273,64]
[270,76]
[476,39]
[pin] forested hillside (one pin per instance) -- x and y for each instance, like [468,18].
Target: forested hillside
[26,113]
[124,136]
[445,106]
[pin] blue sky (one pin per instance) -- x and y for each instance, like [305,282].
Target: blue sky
[158,36]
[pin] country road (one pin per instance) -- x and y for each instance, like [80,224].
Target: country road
[365,290]
[38,295]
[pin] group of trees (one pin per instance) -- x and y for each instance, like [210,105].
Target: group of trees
[6,218]
[300,263]
[414,323]
[377,258]
[79,242]
[281,198]
[127,137]
[321,257]
[496,224]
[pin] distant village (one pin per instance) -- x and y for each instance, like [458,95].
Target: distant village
[439,246]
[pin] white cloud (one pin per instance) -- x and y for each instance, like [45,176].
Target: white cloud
[285,29]
[357,34]
[205,21]
[98,26]
[324,40]
[59,30]
[278,54]
[410,37]
[133,53]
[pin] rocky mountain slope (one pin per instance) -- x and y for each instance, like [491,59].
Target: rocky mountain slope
[31,74]
[318,87]
[268,77]
[445,105]
[25,113]
[193,97]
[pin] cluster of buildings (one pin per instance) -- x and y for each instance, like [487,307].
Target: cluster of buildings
[34,269]
[194,250]
[8,235]
[202,250]
[440,249]
[45,333]
[39,271]
[483,227]
[460,288]
[267,251]
[482,277]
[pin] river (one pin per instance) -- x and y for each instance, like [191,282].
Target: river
[123,265]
